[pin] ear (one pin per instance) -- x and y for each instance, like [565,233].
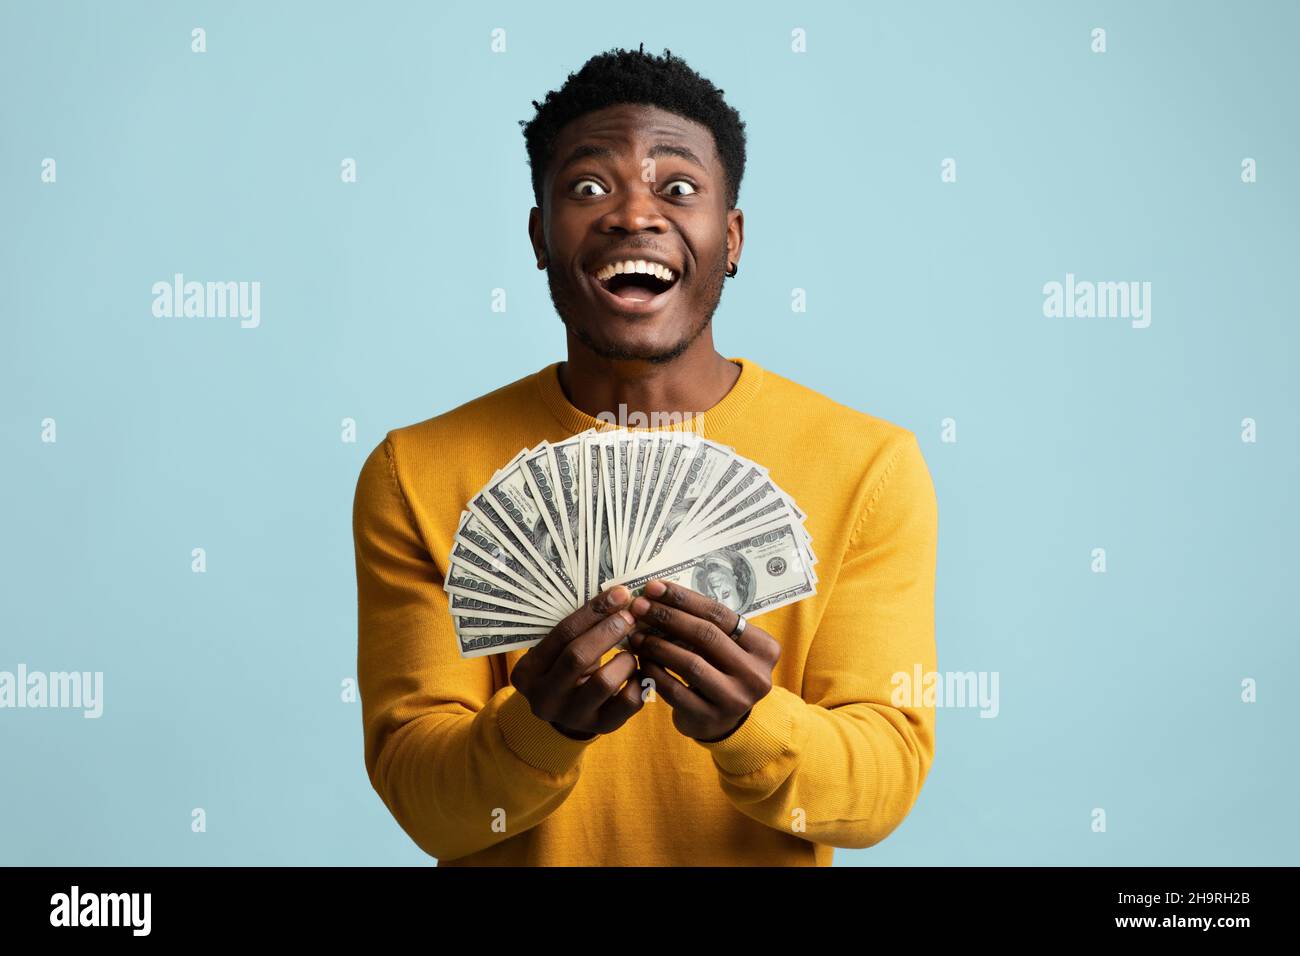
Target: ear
[735,235]
[537,235]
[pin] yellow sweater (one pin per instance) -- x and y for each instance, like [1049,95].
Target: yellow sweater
[830,757]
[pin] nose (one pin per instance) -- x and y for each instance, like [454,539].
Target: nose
[635,209]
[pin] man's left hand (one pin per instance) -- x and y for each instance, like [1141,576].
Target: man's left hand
[724,677]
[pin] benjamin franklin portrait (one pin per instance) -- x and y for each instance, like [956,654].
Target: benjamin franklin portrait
[726,577]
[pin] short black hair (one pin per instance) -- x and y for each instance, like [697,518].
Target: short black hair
[634,76]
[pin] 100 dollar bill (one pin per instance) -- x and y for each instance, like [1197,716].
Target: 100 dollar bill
[750,572]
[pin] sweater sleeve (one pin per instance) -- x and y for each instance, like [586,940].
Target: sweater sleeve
[843,764]
[460,764]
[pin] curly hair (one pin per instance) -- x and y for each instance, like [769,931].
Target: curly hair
[634,76]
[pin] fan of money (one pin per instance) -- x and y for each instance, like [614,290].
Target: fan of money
[563,521]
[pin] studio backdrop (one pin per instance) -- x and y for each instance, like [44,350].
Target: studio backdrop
[1056,241]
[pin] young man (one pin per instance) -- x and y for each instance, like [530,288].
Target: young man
[763,744]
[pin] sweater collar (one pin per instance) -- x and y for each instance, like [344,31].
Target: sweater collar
[721,416]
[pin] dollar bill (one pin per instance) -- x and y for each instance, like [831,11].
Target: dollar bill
[566,519]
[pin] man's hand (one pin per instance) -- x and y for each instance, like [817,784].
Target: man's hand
[724,678]
[561,678]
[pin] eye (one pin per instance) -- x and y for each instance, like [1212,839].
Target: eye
[683,182]
[579,183]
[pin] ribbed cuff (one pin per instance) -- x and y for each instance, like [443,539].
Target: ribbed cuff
[535,741]
[766,734]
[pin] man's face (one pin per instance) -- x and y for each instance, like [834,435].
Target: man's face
[635,182]
[721,586]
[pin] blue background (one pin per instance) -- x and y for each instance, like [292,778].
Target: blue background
[222,690]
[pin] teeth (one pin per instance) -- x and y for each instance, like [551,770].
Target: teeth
[634,265]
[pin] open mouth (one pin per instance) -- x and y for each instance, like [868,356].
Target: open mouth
[635,286]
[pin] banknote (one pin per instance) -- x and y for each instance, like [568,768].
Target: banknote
[563,520]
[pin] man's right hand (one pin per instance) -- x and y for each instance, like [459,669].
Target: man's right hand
[560,677]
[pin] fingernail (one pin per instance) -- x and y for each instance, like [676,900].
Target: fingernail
[627,619]
[619,594]
[655,588]
[640,606]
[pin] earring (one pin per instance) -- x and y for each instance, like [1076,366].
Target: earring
[732,269]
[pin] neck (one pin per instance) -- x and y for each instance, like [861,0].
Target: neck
[693,382]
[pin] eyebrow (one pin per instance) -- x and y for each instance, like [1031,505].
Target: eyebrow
[587,150]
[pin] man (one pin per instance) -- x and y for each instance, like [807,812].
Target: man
[767,746]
